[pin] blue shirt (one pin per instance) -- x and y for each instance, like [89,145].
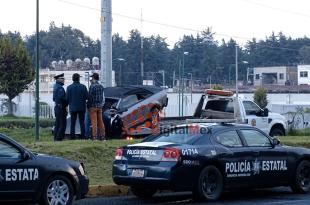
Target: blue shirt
[59,94]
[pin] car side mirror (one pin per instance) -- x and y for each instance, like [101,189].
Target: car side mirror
[25,156]
[275,141]
[166,102]
[265,112]
[262,113]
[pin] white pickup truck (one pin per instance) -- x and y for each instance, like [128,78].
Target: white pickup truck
[223,105]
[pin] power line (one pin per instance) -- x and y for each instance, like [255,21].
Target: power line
[185,28]
[153,22]
[278,9]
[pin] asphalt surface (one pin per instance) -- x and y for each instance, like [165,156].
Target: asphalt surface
[281,196]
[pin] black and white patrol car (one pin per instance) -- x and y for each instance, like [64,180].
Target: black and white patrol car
[26,176]
[210,158]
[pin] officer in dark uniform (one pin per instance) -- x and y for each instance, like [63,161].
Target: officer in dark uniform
[59,97]
[114,125]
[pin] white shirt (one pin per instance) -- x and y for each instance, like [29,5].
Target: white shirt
[113,118]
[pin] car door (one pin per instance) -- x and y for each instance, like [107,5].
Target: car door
[271,160]
[251,111]
[19,178]
[235,158]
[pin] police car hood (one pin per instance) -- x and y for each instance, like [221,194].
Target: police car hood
[298,150]
[54,160]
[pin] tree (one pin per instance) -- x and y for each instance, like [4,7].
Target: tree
[305,54]
[260,97]
[16,71]
[62,43]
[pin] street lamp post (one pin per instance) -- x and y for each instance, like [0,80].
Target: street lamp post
[37,105]
[237,71]
[184,53]
[191,86]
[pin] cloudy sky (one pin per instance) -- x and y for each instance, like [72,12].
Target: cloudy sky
[240,19]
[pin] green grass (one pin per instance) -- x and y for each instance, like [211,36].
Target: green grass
[97,156]
[300,141]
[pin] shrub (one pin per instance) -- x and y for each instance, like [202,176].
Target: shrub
[24,123]
[260,97]
[217,87]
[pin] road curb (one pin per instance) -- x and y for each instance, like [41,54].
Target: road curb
[107,190]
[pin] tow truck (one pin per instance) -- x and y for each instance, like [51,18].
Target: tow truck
[221,104]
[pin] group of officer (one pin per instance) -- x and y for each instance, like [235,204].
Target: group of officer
[88,106]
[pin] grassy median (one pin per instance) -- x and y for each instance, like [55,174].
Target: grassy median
[97,156]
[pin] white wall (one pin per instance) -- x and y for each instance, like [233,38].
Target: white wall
[304,80]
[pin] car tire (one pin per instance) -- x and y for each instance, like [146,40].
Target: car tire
[301,181]
[212,177]
[143,192]
[276,132]
[57,188]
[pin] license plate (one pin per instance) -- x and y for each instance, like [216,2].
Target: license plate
[137,173]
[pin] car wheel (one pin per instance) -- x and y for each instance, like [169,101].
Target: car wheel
[301,182]
[209,186]
[143,192]
[276,132]
[58,191]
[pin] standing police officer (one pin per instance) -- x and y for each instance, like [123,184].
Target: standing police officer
[59,97]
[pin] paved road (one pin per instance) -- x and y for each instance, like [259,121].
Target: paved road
[281,196]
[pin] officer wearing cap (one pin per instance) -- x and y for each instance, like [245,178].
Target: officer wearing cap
[59,97]
[114,125]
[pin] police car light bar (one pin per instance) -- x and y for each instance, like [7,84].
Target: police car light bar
[211,120]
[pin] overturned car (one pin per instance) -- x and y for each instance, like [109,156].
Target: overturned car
[138,106]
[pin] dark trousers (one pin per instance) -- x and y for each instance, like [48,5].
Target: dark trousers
[74,115]
[60,122]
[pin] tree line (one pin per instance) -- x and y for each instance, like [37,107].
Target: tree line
[205,55]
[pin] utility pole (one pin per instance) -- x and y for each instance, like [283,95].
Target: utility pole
[163,75]
[142,58]
[173,79]
[182,78]
[210,82]
[106,43]
[179,88]
[236,70]
[191,74]
[37,108]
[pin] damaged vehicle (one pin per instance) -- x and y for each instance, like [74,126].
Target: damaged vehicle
[138,106]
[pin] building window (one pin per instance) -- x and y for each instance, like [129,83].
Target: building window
[281,76]
[303,74]
[257,76]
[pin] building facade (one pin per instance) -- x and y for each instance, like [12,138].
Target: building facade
[303,74]
[276,75]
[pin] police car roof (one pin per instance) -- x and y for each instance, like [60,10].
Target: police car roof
[216,126]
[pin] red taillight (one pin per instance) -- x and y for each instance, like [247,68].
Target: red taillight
[119,154]
[171,154]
